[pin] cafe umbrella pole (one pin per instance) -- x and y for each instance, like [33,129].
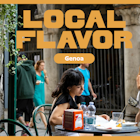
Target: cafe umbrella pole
[12,95]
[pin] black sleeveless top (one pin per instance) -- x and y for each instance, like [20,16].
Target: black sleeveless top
[63,98]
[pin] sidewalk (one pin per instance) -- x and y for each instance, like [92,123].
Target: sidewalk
[41,129]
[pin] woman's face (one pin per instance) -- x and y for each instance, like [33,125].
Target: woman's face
[77,90]
[41,66]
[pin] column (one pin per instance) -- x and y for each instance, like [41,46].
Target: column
[53,70]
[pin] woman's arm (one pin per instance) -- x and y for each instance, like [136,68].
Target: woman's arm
[138,81]
[105,116]
[79,106]
[56,116]
[46,77]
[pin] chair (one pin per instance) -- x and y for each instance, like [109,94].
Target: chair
[34,117]
[13,122]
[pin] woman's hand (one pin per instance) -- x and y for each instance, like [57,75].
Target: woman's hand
[45,72]
[105,116]
[37,82]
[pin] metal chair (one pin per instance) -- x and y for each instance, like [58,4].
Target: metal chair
[13,122]
[36,111]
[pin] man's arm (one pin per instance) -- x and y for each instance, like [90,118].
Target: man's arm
[92,92]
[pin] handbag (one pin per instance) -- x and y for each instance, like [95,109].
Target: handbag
[138,81]
[133,102]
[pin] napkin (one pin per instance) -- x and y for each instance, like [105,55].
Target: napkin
[105,123]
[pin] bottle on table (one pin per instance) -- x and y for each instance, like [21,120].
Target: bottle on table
[91,118]
[84,108]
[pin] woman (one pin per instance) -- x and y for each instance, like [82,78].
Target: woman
[71,85]
[39,96]
[137,119]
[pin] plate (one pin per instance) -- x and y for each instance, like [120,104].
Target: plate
[129,123]
[109,128]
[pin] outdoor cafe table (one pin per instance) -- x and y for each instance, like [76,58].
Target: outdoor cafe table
[96,132]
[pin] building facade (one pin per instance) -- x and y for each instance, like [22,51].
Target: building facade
[113,74]
[121,66]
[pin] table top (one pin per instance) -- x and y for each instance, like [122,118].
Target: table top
[129,129]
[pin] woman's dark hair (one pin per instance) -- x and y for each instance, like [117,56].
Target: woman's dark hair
[69,78]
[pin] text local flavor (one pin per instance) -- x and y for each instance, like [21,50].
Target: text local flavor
[67,36]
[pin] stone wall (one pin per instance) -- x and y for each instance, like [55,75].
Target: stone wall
[1,82]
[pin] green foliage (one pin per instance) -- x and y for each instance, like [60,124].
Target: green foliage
[8,24]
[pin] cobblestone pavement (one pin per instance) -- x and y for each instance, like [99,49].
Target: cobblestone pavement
[41,130]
